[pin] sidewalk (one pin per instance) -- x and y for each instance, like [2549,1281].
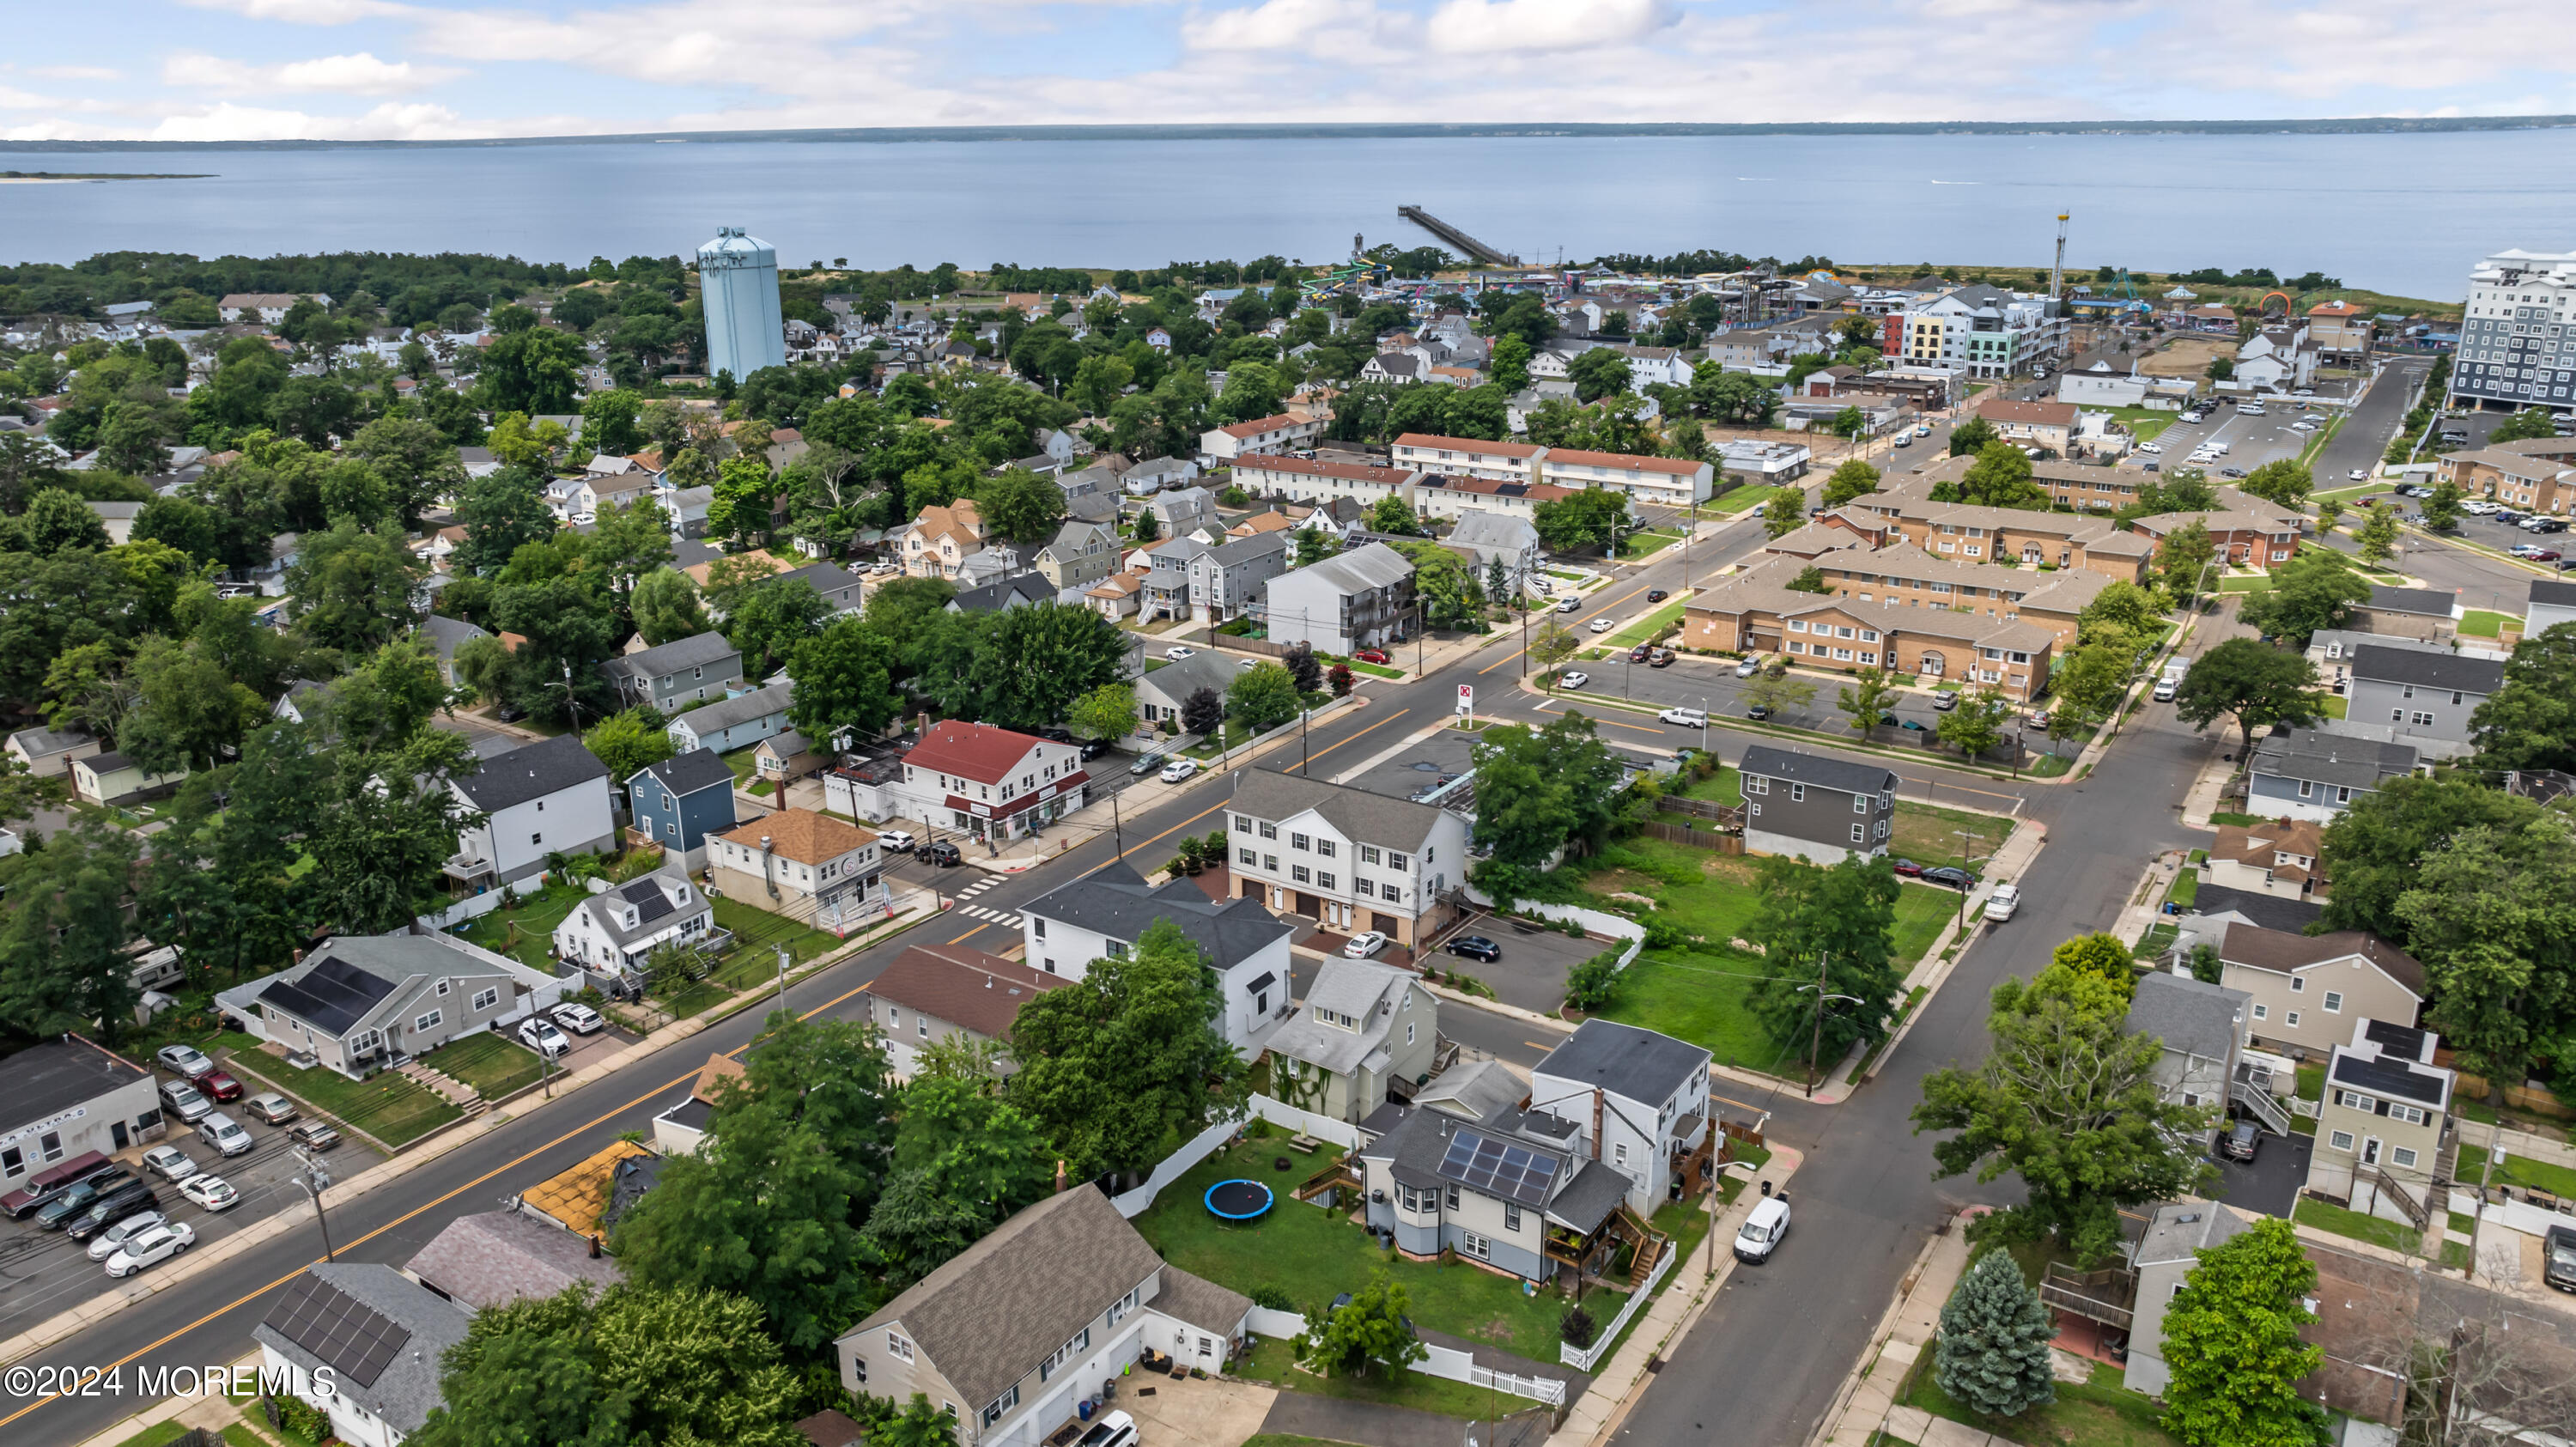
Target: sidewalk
[2146,901]
[1867,1401]
[1623,1379]
[2202,799]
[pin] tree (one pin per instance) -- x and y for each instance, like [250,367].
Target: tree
[630,742]
[2000,477]
[1777,690]
[1393,514]
[1598,373]
[921,1423]
[1035,661]
[1849,424]
[1341,680]
[772,1206]
[1977,724]
[608,422]
[63,933]
[2068,1102]
[1020,505]
[1148,526]
[1554,644]
[1992,1356]
[1581,521]
[1810,579]
[57,520]
[1851,480]
[2328,509]
[1538,790]
[1508,363]
[414,460]
[2442,509]
[1203,712]
[845,687]
[1869,696]
[2183,557]
[2121,604]
[2221,369]
[188,710]
[2232,1341]
[2529,722]
[1969,438]
[1127,1057]
[385,825]
[1739,398]
[2098,954]
[2490,909]
[2530,424]
[500,513]
[1263,697]
[771,619]
[533,370]
[2283,480]
[1106,713]
[2378,534]
[1836,923]
[1312,546]
[352,589]
[1367,1332]
[2316,590]
[1785,513]
[743,504]
[2255,683]
[665,606]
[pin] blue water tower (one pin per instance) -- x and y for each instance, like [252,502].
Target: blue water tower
[738,276]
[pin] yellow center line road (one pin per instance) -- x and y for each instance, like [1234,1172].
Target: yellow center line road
[1641,728]
[1515,653]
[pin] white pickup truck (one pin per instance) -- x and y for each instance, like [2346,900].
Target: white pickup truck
[2171,680]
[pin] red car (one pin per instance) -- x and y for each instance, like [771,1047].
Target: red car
[1641,653]
[1908,868]
[218,1086]
[1372,655]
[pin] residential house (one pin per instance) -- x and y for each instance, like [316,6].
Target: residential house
[445,636]
[1349,859]
[1498,538]
[494,1258]
[781,758]
[1515,1191]
[1340,520]
[1015,1333]
[270,307]
[1316,479]
[118,519]
[681,1128]
[1639,1103]
[64,1098]
[680,672]
[1103,914]
[2217,906]
[2277,359]
[1079,555]
[1230,578]
[680,802]
[1756,611]
[734,723]
[364,1003]
[1365,1030]
[1154,474]
[1468,457]
[2167,1251]
[2313,774]
[2032,424]
[1356,599]
[1755,348]
[48,753]
[1117,596]
[1818,808]
[1161,692]
[2331,650]
[1184,511]
[809,867]
[548,797]
[2306,990]
[2277,858]
[2384,1126]
[1473,1090]
[1018,590]
[937,543]
[597,492]
[2341,330]
[2202,1028]
[2425,614]
[618,932]
[363,1345]
[943,993]
[2550,603]
[112,778]
[1395,369]
[1437,495]
[1647,481]
[838,586]
[2254,535]
[981,782]
[1902,575]
[1285,432]
[2427,698]
[687,507]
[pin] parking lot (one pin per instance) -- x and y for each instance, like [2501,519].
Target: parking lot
[1711,684]
[2250,441]
[1531,973]
[45,1272]
[1420,766]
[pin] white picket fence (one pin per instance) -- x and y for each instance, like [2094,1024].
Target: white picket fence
[1132,1204]
[1582,1359]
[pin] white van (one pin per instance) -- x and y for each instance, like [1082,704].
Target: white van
[2171,680]
[224,1134]
[1763,1230]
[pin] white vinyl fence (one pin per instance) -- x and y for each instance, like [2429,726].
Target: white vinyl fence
[1447,1363]
[1599,922]
[1132,1204]
[1582,1359]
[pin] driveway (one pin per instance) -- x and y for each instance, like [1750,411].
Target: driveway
[2270,1182]
[1195,1413]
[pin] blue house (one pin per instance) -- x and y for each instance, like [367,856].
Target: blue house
[682,800]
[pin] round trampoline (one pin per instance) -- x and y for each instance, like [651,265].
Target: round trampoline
[1238,1200]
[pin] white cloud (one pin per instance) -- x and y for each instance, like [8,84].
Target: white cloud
[25,100]
[77,72]
[1279,24]
[391,121]
[306,12]
[1479,26]
[358,74]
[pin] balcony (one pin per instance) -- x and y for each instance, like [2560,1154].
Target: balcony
[2108,1296]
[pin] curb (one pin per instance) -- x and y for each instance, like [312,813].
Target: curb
[1830,1423]
[1877,750]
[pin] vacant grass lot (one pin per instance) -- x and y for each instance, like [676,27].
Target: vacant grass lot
[2516,1170]
[2100,1412]
[2482,624]
[1725,787]
[494,1066]
[389,1106]
[1314,1255]
[1744,498]
[1930,835]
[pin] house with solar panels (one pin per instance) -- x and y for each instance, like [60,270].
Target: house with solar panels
[1514,1191]
[362,1345]
[2383,1123]
[363,1003]
[623,928]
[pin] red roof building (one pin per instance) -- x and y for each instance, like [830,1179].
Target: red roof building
[991,783]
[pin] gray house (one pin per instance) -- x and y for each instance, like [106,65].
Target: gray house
[1822,809]
[2425,698]
[734,723]
[363,1003]
[1352,600]
[1184,510]
[1019,590]
[838,586]
[1161,692]
[2202,1027]
[1491,536]
[2312,774]
[361,1344]
[446,635]
[2424,613]
[682,671]
[2552,602]
[1365,1028]
[1228,578]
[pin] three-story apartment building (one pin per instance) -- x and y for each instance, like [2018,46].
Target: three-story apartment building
[1346,858]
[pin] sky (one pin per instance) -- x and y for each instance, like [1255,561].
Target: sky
[236,70]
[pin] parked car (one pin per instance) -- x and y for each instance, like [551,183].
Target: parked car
[2242,1141]
[189,1061]
[1177,652]
[541,1036]
[1475,947]
[2558,1258]
[1114,1429]
[1567,605]
[1575,679]
[212,1192]
[104,1244]
[1958,879]
[1945,701]
[110,1208]
[1925,430]
[2001,904]
[225,1134]
[1757,712]
[1747,667]
[182,1100]
[1145,764]
[1657,595]
[2151,447]
[54,1213]
[1763,1230]
[2358,474]
[170,1163]
[580,1019]
[1904,439]
[271,1108]
[313,1135]
[218,1085]
[1689,718]
[1601,625]
[895,841]
[1641,653]
[1247,664]
[1663,658]
[1906,869]
[1372,655]
[151,1247]
[939,853]
[2544,555]
[1364,944]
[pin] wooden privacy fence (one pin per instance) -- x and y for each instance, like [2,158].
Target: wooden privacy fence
[1696,838]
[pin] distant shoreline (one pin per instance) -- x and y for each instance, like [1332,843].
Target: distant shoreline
[896,135]
[51,178]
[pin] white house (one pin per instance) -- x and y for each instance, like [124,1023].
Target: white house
[1638,1100]
[982,781]
[1102,915]
[1648,481]
[1317,479]
[809,867]
[1349,859]
[622,928]
[550,797]
[734,723]
[361,1344]
[1283,432]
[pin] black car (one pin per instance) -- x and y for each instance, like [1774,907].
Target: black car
[1656,595]
[1475,947]
[2242,1141]
[2545,525]
[1092,749]
[1757,711]
[1958,879]
[68,1206]
[939,852]
[111,1208]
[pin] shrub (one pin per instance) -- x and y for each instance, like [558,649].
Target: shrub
[1592,985]
[1573,927]
[1665,935]
[1272,1298]
[1576,1326]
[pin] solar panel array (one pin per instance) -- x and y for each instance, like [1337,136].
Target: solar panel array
[344,1333]
[1499,1169]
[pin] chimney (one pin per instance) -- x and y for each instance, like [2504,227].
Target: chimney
[1059,1177]
[594,1246]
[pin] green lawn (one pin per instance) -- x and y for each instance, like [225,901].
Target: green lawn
[1646,627]
[1725,787]
[386,1105]
[2378,1231]
[155,1435]
[2186,888]
[1271,1362]
[1313,1255]
[525,932]
[2245,821]
[493,1065]
[1651,540]
[2334,706]
[2144,423]
[2516,1170]
[744,762]
[1929,834]
[756,930]
[2157,939]
[1700,997]
[2101,1412]
[2479,623]
[2257,584]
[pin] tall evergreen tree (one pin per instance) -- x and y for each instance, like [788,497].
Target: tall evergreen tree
[1993,1353]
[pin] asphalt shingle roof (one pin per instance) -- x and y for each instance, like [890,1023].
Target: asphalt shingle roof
[700,650]
[1849,778]
[2187,1014]
[545,767]
[1363,816]
[407,1388]
[1115,901]
[1639,1064]
[688,773]
[2374,664]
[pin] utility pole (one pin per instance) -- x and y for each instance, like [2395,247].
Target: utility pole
[312,1178]
[1816,1040]
[1117,833]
